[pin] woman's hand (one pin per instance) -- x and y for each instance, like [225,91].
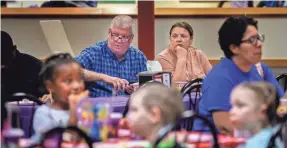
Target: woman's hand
[179,51]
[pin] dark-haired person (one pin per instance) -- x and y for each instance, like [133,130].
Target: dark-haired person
[242,44]
[62,75]
[19,72]
[184,61]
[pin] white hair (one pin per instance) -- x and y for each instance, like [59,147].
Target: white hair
[123,21]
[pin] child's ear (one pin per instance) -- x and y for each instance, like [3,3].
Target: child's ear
[155,115]
[49,85]
[263,108]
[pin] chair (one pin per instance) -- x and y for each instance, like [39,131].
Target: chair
[162,134]
[280,134]
[283,79]
[126,108]
[191,116]
[53,138]
[193,87]
[17,97]
[195,81]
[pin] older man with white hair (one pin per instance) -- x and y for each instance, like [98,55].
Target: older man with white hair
[113,61]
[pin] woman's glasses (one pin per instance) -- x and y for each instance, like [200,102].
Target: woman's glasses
[254,39]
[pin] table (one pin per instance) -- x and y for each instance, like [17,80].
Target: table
[188,139]
[118,104]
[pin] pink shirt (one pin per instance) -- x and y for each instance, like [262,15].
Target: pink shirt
[196,65]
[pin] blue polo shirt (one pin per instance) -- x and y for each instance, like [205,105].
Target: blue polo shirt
[101,59]
[220,81]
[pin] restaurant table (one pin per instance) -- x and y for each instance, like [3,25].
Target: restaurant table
[117,103]
[187,139]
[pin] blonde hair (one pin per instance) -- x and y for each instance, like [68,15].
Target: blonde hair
[123,21]
[168,100]
[265,94]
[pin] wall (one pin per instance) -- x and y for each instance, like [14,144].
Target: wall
[205,38]
[81,33]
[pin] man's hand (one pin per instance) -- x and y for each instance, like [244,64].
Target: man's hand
[117,83]
[129,89]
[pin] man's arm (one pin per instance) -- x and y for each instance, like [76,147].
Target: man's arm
[117,83]
[87,59]
[93,76]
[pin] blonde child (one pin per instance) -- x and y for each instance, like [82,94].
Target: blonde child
[254,110]
[63,77]
[152,108]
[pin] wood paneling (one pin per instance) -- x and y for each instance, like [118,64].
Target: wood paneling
[220,11]
[274,63]
[85,12]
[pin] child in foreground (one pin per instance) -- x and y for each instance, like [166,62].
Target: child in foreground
[254,110]
[153,107]
[62,76]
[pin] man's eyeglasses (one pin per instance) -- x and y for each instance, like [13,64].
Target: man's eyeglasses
[116,37]
[254,39]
